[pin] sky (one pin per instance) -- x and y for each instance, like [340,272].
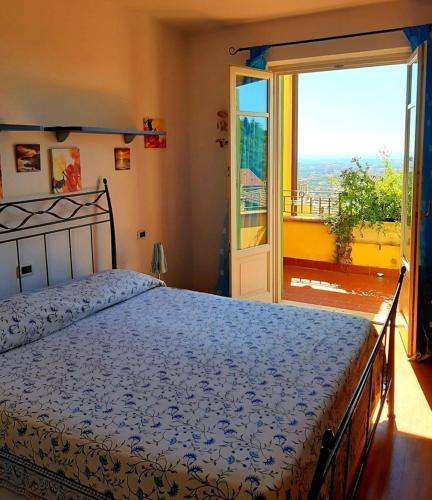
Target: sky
[353,112]
[348,112]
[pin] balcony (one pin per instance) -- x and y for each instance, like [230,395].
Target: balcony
[311,274]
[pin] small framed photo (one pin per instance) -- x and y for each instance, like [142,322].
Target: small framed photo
[122,158]
[27,157]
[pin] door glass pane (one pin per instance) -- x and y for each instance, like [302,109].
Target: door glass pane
[252,171]
[409,184]
[251,94]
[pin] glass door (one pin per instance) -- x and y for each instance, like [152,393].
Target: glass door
[411,196]
[251,234]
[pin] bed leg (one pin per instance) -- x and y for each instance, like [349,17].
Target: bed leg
[391,368]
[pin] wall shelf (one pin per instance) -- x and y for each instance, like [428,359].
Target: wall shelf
[6,127]
[62,133]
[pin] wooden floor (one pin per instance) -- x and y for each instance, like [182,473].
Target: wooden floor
[399,466]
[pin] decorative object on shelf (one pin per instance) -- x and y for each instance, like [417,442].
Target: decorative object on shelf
[66,170]
[122,158]
[158,263]
[222,127]
[1,183]
[27,157]
[155,125]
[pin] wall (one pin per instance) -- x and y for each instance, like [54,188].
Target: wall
[208,62]
[98,64]
[311,240]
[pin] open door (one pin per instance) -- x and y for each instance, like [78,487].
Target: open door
[411,197]
[251,197]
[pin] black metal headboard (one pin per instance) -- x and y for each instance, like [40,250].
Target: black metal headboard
[94,205]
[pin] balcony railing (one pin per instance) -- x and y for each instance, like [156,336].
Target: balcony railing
[311,204]
[253,198]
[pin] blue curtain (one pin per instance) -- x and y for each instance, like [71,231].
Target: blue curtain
[256,60]
[257,57]
[416,36]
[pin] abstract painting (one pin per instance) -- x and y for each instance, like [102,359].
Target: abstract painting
[66,170]
[122,158]
[154,125]
[27,157]
[1,183]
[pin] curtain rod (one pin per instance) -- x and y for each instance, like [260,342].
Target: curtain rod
[233,50]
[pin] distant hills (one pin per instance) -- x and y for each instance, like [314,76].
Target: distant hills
[316,169]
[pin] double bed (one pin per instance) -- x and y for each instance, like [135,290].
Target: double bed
[116,386]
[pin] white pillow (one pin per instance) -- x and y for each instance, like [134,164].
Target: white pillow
[27,317]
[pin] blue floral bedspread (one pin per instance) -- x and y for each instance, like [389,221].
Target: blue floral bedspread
[173,393]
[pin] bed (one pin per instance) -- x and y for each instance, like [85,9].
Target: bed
[116,386]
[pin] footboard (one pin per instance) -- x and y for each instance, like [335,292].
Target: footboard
[331,446]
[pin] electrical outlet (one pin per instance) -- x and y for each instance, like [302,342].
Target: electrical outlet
[25,271]
[141,234]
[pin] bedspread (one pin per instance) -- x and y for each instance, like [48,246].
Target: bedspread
[181,394]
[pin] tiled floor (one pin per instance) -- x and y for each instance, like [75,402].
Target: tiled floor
[344,290]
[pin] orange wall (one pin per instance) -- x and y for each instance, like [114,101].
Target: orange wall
[208,61]
[97,63]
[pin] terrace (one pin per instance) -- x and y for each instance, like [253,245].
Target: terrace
[310,272]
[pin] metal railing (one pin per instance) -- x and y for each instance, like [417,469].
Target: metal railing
[253,198]
[313,204]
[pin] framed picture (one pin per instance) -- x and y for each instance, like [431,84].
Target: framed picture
[122,158]
[66,170]
[1,183]
[154,125]
[27,157]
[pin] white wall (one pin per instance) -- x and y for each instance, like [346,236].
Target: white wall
[98,64]
[208,61]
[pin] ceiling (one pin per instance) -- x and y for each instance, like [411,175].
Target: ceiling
[195,15]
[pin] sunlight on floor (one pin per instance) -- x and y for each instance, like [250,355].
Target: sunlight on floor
[317,285]
[413,412]
[398,466]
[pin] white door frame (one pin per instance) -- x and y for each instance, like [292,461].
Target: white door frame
[251,269]
[305,65]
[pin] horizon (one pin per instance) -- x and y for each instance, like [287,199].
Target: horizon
[367,155]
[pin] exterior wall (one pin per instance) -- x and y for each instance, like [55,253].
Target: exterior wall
[253,229]
[99,64]
[311,240]
[287,131]
[208,92]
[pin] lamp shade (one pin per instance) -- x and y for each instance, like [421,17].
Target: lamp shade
[158,263]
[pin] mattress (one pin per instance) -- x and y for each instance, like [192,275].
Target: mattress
[167,393]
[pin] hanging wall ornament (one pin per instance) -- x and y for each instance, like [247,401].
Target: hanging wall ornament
[222,128]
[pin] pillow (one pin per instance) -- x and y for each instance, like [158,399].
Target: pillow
[27,317]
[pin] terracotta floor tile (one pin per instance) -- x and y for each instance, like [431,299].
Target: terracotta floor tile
[344,290]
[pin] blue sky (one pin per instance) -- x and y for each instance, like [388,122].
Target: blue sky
[353,112]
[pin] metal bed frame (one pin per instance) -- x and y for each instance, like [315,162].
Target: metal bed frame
[94,205]
[332,442]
